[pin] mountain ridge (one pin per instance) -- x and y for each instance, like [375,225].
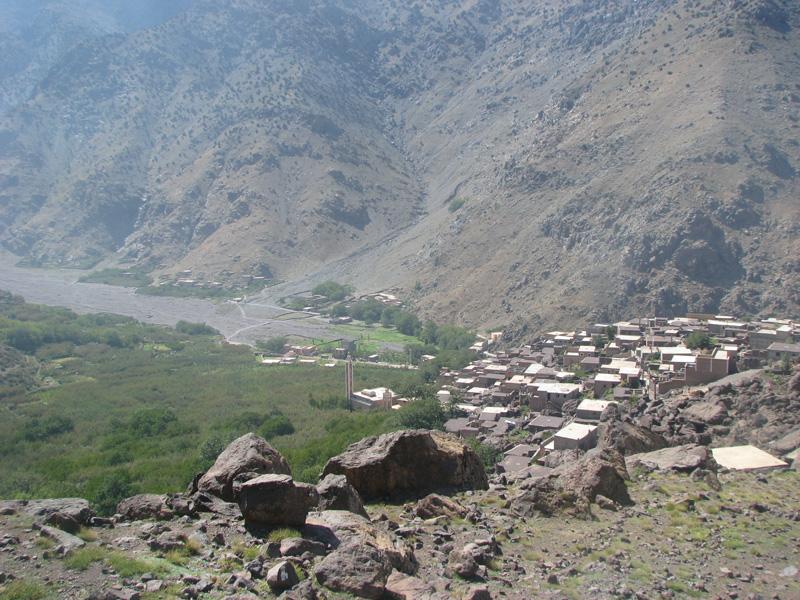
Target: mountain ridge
[501,164]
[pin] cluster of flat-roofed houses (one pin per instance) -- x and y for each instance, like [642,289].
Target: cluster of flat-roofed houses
[565,380]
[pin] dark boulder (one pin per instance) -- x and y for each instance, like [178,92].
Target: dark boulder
[276,500]
[687,457]
[358,569]
[573,487]
[409,463]
[248,457]
[144,506]
[434,505]
[335,493]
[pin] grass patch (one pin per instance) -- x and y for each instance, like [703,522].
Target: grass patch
[278,535]
[127,566]
[81,559]
[182,291]
[87,535]
[23,590]
[120,277]
[44,543]
[123,565]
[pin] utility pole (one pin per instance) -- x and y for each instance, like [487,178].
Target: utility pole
[348,370]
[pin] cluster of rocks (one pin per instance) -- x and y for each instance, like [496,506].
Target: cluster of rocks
[750,408]
[249,492]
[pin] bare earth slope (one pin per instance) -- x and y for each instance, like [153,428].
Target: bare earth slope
[611,157]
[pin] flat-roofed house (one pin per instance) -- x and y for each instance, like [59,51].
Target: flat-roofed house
[545,423]
[592,410]
[575,436]
[777,350]
[604,382]
[553,395]
[590,364]
[761,339]
[709,367]
[379,397]
[669,352]
[476,394]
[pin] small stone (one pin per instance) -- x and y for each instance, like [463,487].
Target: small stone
[282,576]
[477,593]
[552,579]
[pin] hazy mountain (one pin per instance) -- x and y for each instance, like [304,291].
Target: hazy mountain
[607,156]
[35,34]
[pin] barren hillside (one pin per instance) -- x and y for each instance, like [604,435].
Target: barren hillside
[504,164]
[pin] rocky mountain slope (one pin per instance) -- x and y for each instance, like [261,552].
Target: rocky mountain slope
[502,163]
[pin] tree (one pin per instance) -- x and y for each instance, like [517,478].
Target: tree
[422,414]
[273,345]
[194,328]
[699,339]
[611,332]
[332,291]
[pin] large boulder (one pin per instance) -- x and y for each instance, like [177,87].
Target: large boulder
[65,542]
[628,438]
[358,569]
[687,457]
[244,458]
[434,505]
[276,500]
[144,506]
[336,528]
[409,463]
[706,413]
[573,487]
[76,509]
[789,442]
[335,493]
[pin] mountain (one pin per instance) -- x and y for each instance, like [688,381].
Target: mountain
[501,163]
[36,34]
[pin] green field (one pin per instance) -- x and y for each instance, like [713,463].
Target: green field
[119,407]
[370,338]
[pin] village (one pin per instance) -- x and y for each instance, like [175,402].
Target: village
[555,391]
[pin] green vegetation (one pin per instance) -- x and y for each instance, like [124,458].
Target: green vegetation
[195,328]
[332,291]
[186,291]
[123,564]
[699,340]
[23,590]
[455,204]
[273,345]
[423,414]
[278,535]
[120,277]
[147,414]
[488,454]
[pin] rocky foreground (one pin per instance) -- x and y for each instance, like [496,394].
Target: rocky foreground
[412,514]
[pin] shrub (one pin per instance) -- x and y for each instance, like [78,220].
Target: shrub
[274,345]
[195,328]
[110,491]
[333,291]
[149,422]
[699,339]
[487,454]
[422,414]
[37,430]
[275,425]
